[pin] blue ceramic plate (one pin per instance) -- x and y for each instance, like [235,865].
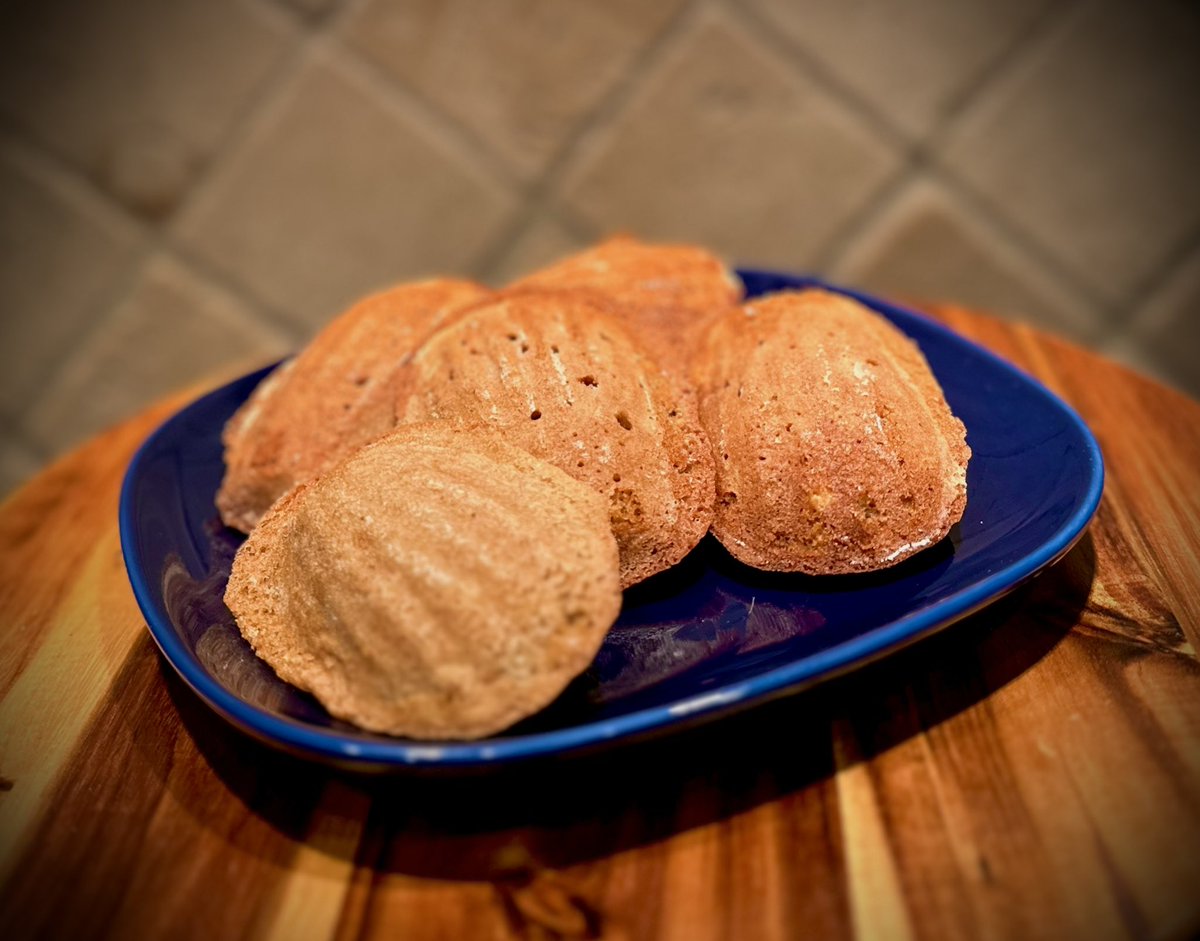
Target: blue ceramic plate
[706,637]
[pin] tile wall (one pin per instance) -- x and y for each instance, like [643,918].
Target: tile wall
[191,187]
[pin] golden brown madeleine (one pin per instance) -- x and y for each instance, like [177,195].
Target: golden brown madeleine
[435,584]
[332,398]
[667,292]
[835,449]
[560,377]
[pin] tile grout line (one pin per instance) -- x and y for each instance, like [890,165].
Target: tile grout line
[150,242]
[923,159]
[918,166]
[253,121]
[1039,30]
[162,239]
[624,89]
[435,120]
[308,21]
[799,59]
[159,238]
[251,109]
[839,243]
[308,40]
[920,157]
[451,134]
[1035,38]
[1129,322]
[1012,233]
[265,312]
[803,65]
[542,196]
[76,189]
[448,134]
[252,118]
[37,159]
[1173,261]
[154,239]
[105,310]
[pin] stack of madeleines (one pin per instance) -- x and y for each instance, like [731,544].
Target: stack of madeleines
[447,490]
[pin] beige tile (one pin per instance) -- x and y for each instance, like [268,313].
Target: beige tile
[172,330]
[337,194]
[1092,145]
[925,246]
[519,73]
[726,146]
[543,241]
[911,60]
[62,258]
[18,462]
[136,93]
[1166,328]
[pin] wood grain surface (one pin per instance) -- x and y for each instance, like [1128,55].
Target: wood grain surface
[1033,772]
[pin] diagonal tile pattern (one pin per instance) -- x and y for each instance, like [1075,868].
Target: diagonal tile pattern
[62,258]
[518,73]
[339,194]
[717,146]
[926,246]
[911,61]
[538,244]
[193,330]
[276,158]
[1091,146]
[1167,326]
[137,94]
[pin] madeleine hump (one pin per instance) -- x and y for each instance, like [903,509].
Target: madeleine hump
[835,449]
[331,399]
[435,584]
[665,294]
[556,373]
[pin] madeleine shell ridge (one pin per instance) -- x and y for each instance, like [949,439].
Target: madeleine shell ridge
[332,397]
[556,373]
[835,449]
[436,584]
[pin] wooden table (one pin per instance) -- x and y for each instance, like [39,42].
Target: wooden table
[1032,772]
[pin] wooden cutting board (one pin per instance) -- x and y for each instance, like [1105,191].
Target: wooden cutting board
[1032,772]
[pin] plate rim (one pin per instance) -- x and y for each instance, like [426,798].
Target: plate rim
[298,737]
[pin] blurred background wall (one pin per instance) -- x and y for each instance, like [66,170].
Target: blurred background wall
[192,186]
